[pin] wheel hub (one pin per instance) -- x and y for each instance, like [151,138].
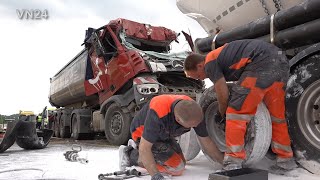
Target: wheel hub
[308,113]
[116,123]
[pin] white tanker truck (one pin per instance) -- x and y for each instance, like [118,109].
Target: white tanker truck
[293,26]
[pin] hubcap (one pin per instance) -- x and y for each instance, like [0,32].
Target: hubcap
[116,123]
[308,114]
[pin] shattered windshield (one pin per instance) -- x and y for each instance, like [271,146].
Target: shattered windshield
[153,54]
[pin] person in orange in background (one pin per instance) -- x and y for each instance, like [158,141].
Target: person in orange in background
[261,71]
[153,130]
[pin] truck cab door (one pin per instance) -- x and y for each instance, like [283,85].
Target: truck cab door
[119,69]
[96,78]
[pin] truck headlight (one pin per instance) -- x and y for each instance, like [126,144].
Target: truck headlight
[147,89]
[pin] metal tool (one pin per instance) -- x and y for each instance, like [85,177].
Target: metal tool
[120,175]
[74,156]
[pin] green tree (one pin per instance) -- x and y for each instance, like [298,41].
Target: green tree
[1,119]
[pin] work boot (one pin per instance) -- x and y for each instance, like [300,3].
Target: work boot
[283,165]
[231,163]
[287,164]
[132,143]
[231,166]
[124,160]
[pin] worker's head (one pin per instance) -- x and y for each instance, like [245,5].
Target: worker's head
[188,113]
[194,66]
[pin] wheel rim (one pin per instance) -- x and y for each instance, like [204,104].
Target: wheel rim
[215,132]
[308,114]
[116,123]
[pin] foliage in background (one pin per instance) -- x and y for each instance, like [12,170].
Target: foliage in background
[13,116]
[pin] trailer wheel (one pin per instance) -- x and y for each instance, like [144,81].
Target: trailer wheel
[75,129]
[56,126]
[303,112]
[117,125]
[64,130]
[258,135]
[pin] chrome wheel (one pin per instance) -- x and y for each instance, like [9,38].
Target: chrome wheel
[308,114]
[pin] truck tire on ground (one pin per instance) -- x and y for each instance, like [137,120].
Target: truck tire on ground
[189,145]
[64,130]
[259,130]
[117,125]
[303,112]
[75,129]
[56,127]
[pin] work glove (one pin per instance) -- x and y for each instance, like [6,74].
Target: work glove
[220,121]
[218,118]
[157,176]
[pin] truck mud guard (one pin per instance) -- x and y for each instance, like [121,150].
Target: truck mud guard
[122,100]
[303,54]
[25,135]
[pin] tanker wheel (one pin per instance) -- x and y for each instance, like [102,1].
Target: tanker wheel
[258,135]
[64,130]
[117,125]
[303,112]
[75,129]
[56,127]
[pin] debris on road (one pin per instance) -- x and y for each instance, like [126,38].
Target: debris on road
[121,175]
[73,155]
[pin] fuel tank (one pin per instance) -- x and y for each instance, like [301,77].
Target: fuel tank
[67,86]
[226,15]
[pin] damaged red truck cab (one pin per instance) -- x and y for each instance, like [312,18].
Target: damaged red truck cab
[123,65]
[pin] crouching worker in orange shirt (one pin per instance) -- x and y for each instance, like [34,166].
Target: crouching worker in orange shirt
[153,130]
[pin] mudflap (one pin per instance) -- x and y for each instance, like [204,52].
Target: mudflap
[24,133]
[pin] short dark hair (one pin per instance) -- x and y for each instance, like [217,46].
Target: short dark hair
[191,62]
[188,110]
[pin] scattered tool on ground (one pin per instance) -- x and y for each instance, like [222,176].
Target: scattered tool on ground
[126,174]
[74,156]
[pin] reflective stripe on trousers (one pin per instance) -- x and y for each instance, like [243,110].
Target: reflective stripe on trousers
[237,119]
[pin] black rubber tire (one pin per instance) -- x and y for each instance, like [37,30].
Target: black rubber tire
[256,143]
[117,125]
[56,127]
[53,129]
[75,131]
[189,145]
[302,78]
[64,130]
